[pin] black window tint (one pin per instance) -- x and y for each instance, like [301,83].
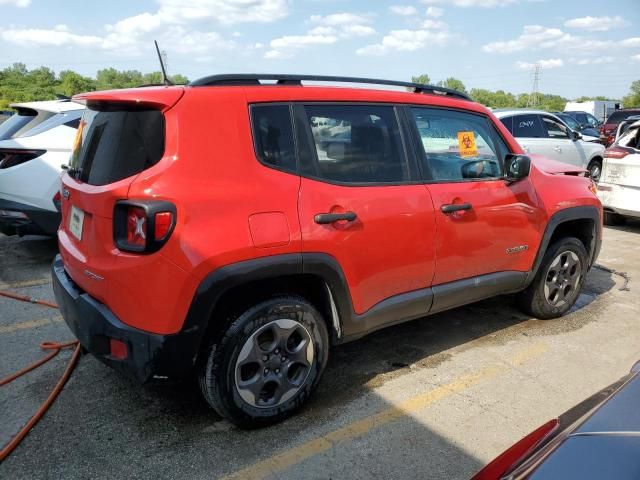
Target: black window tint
[554,128]
[527,126]
[117,144]
[457,145]
[508,122]
[273,135]
[356,144]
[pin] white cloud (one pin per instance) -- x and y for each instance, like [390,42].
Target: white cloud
[631,42]
[336,19]
[357,31]
[403,10]
[544,64]
[16,3]
[435,12]
[471,3]
[57,37]
[406,41]
[592,60]
[225,11]
[323,30]
[288,45]
[597,24]
[636,57]
[533,36]
[434,24]
[345,25]
[536,37]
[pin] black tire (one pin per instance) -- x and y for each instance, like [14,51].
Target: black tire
[217,371]
[595,169]
[613,219]
[537,301]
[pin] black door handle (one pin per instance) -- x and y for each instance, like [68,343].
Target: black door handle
[324,218]
[455,207]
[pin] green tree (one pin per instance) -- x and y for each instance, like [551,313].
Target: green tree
[633,99]
[453,83]
[72,83]
[423,79]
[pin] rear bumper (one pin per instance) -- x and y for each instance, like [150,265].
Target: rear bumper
[39,221]
[149,355]
[620,199]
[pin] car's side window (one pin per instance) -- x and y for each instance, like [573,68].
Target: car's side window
[527,126]
[457,145]
[273,136]
[355,144]
[554,128]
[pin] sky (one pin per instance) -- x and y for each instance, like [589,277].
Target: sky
[585,47]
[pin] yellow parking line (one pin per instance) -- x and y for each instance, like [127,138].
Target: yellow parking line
[29,324]
[25,283]
[293,456]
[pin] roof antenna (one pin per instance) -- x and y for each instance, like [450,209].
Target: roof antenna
[165,79]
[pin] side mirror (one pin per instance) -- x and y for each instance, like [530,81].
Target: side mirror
[516,167]
[575,136]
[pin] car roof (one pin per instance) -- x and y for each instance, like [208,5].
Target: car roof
[501,113]
[54,106]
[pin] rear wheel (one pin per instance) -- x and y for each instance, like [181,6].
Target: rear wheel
[558,282]
[595,169]
[267,363]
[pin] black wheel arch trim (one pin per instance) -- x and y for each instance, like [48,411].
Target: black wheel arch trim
[584,212]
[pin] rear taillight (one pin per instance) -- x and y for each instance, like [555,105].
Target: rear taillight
[136,227]
[10,157]
[510,458]
[57,199]
[143,226]
[617,152]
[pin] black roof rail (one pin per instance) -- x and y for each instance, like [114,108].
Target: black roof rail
[239,79]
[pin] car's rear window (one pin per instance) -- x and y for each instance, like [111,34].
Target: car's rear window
[23,121]
[117,143]
[620,115]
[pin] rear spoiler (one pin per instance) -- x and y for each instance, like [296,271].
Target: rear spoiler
[162,98]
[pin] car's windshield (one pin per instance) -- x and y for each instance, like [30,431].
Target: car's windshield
[570,121]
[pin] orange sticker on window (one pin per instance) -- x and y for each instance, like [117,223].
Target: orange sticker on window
[467,144]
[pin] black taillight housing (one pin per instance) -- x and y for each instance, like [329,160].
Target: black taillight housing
[143,226]
[11,157]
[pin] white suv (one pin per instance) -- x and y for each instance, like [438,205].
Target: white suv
[619,190]
[545,134]
[34,144]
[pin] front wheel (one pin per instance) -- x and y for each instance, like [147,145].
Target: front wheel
[267,363]
[558,282]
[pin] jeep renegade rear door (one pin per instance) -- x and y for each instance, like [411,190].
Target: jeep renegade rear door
[359,201]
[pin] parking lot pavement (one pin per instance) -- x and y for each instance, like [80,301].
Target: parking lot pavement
[434,398]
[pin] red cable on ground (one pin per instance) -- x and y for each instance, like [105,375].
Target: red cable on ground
[55,349]
[24,298]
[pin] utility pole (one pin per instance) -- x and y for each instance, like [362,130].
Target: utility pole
[533,98]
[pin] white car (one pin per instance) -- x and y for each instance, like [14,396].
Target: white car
[545,134]
[34,144]
[619,187]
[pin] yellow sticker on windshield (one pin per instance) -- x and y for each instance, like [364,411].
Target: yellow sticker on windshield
[467,144]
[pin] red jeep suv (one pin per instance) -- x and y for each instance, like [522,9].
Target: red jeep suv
[241,225]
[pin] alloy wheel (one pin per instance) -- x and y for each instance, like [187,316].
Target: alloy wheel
[562,279]
[274,363]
